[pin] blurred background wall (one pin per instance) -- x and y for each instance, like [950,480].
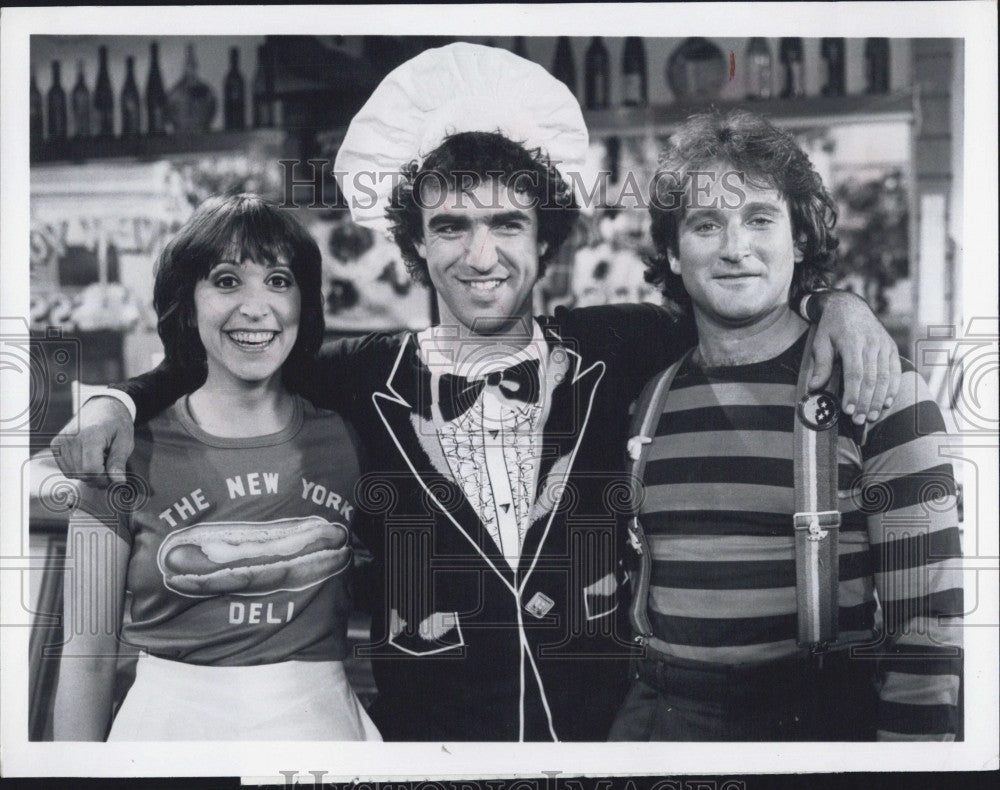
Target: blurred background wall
[886,139]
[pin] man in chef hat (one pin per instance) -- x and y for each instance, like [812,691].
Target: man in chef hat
[493,480]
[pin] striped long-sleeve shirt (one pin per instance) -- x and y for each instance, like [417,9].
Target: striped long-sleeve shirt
[717,513]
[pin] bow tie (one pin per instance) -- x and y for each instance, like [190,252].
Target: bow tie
[456,394]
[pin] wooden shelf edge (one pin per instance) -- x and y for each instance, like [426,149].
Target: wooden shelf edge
[158,147]
[786,113]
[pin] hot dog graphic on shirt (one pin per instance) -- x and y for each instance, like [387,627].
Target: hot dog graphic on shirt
[261,558]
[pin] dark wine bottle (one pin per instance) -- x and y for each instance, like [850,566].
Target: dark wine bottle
[56,100]
[596,76]
[234,94]
[791,56]
[191,102]
[263,90]
[877,65]
[130,101]
[156,96]
[759,68]
[613,157]
[832,52]
[37,119]
[635,81]
[80,102]
[104,99]
[563,66]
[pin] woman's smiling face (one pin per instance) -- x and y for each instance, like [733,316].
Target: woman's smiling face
[248,319]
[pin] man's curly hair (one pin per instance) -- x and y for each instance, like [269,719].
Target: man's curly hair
[767,158]
[464,161]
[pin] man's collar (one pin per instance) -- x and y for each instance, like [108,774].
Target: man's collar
[443,352]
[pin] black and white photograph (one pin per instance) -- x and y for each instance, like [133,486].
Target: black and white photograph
[412,392]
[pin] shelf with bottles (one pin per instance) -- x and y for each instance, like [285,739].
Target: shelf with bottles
[99,123]
[768,76]
[791,113]
[597,68]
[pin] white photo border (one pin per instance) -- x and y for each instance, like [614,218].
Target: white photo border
[976,22]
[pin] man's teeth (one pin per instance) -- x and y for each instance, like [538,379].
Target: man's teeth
[484,285]
[252,338]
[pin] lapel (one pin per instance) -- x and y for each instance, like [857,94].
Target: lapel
[404,409]
[565,425]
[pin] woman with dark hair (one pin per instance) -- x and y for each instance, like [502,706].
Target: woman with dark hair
[232,534]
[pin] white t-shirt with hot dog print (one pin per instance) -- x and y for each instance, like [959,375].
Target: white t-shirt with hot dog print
[240,547]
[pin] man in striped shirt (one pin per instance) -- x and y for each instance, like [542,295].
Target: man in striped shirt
[741,220]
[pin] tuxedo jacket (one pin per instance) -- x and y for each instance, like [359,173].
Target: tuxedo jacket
[463,646]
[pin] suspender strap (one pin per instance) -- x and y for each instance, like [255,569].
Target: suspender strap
[648,409]
[817,517]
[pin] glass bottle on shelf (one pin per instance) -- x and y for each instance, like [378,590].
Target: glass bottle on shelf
[613,156]
[759,68]
[191,102]
[791,56]
[263,90]
[37,119]
[80,102]
[56,101]
[563,66]
[635,90]
[156,96]
[234,94]
[104,100]
[832,52]
[596,75]
[130,101]
[877,65]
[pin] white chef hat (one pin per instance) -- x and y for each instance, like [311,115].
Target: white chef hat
[458,88]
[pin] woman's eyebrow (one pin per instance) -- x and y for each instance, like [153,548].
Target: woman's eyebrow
[270,263]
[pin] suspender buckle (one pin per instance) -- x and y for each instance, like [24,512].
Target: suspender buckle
[635,445]
[633,536]
[814,521]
